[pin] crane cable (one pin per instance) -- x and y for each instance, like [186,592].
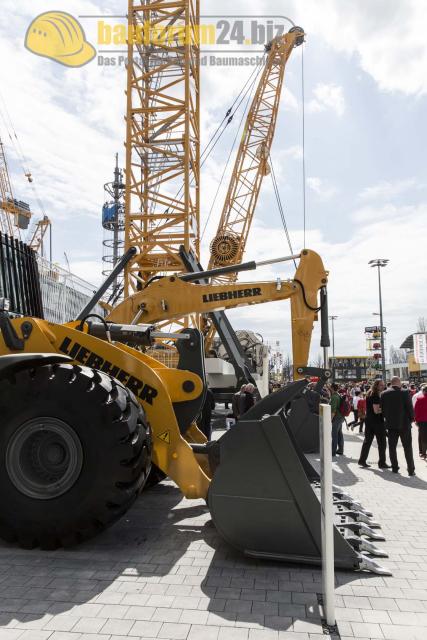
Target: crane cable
[231,112]
[228,118]
[304,189]
[281,209]
[273,175]
[225,167]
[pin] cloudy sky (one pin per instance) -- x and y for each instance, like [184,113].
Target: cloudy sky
[365,86]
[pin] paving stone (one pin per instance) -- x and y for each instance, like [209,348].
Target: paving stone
[145,629]
[251,621]
[292,610]
[61,623]
[233,634]
[367,630]
[10,634]
[280,622]
[174,631]
[264,634]
[160,601]
[228,593]
[238,606]
[116,626]
[185,602]
[139,613]
[88,625]
[226,619]
[200,632]
[409,618]
[192,616]
[347,613]
[113,611]
[399,632]
[35,634]
[163,614]
[410,605]
[259,595]
[279,596]
[382,617]
[388,604]
[358,602]
[307,626]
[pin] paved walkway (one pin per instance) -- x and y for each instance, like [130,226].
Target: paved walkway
[162,572]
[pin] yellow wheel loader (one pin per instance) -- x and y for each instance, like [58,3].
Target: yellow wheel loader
[84,411]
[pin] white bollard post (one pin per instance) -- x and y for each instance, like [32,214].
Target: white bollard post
[328,563]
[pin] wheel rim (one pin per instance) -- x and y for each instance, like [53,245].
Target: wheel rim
[44,458]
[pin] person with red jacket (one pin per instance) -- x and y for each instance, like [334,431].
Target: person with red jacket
[420,409]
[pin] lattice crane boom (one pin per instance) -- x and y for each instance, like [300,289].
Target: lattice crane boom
[163,138]
[252,161]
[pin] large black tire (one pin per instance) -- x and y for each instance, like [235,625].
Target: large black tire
[156,476]
[69,480]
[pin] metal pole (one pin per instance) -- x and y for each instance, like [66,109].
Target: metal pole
[384,370]
[333,338]
[327,515]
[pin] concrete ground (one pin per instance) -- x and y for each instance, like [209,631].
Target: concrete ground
[163,572]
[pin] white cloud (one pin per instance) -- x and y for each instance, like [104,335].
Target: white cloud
[295,152]
[327,96]
[388,37]
[353,290]
[288,101]
[386,190]
[321,189]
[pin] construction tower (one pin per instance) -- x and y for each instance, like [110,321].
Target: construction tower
[113,222]
[163,137]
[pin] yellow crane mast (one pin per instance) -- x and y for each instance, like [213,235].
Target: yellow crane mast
[163,137]
[252,162]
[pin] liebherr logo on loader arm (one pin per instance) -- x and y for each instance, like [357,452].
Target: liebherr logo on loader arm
[232,295]
[80,354]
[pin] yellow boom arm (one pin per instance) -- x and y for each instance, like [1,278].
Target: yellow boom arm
[170,297]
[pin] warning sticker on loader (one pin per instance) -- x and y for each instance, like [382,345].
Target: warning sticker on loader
[165,436]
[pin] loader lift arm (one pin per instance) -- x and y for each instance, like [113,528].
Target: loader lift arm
[175,296]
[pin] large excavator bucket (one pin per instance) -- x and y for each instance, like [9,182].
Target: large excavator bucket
[265,495]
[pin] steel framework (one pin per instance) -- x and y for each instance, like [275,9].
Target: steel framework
[37,239]
[7,206]
[163,137]
[252,161]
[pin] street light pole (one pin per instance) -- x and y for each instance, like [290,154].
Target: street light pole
[332,319]
[379,263]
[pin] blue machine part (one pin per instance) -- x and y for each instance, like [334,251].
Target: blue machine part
[110,212]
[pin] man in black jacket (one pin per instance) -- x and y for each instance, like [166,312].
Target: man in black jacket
[398,415]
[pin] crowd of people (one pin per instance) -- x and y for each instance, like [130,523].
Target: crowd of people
[382,412]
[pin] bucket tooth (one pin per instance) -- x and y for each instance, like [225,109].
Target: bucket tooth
[367,564]
[362,530]
[353,506]
[360,544]
[340,495]
[360,517]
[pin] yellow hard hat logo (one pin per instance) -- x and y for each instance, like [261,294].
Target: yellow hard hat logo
[59,36]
